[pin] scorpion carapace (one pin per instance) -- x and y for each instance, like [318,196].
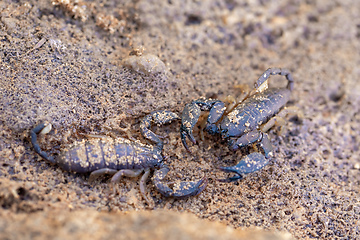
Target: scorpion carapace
[121,157]
[245,124]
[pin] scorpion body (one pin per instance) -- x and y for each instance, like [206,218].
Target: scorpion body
[120,157]
[245,124]
[104,152]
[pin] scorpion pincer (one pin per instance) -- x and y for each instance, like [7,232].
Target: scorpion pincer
[245,124]
[121,157]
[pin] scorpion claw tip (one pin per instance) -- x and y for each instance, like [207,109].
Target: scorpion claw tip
[231,179]
[192,139]
[233,169]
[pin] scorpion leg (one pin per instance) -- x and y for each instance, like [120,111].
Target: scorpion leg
[279,118]
[159,118]
[191,114]
[126,173]
[142,186]
[134,173]
[179,190]
[104,171]
[266,145]
[118,174]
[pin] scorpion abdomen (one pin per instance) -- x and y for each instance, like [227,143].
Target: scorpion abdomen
[254,111]
[103,152]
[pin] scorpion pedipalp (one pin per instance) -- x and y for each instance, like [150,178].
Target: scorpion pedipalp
[191,115]
[178,190]
[248,164]
[159,118]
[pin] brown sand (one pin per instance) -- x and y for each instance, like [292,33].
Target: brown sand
[66,63]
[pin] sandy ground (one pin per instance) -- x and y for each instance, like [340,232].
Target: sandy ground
[67,62]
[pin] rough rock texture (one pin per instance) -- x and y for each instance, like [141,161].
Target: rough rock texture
[161,224]
[62,61]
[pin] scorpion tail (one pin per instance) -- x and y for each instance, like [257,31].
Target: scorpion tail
[248,164]
[178,190]
[42,128]
[261,83]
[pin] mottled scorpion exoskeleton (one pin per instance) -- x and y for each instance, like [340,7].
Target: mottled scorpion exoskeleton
[245,124]
[121,157]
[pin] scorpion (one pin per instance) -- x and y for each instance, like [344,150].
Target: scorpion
[246,124]
[120,157]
